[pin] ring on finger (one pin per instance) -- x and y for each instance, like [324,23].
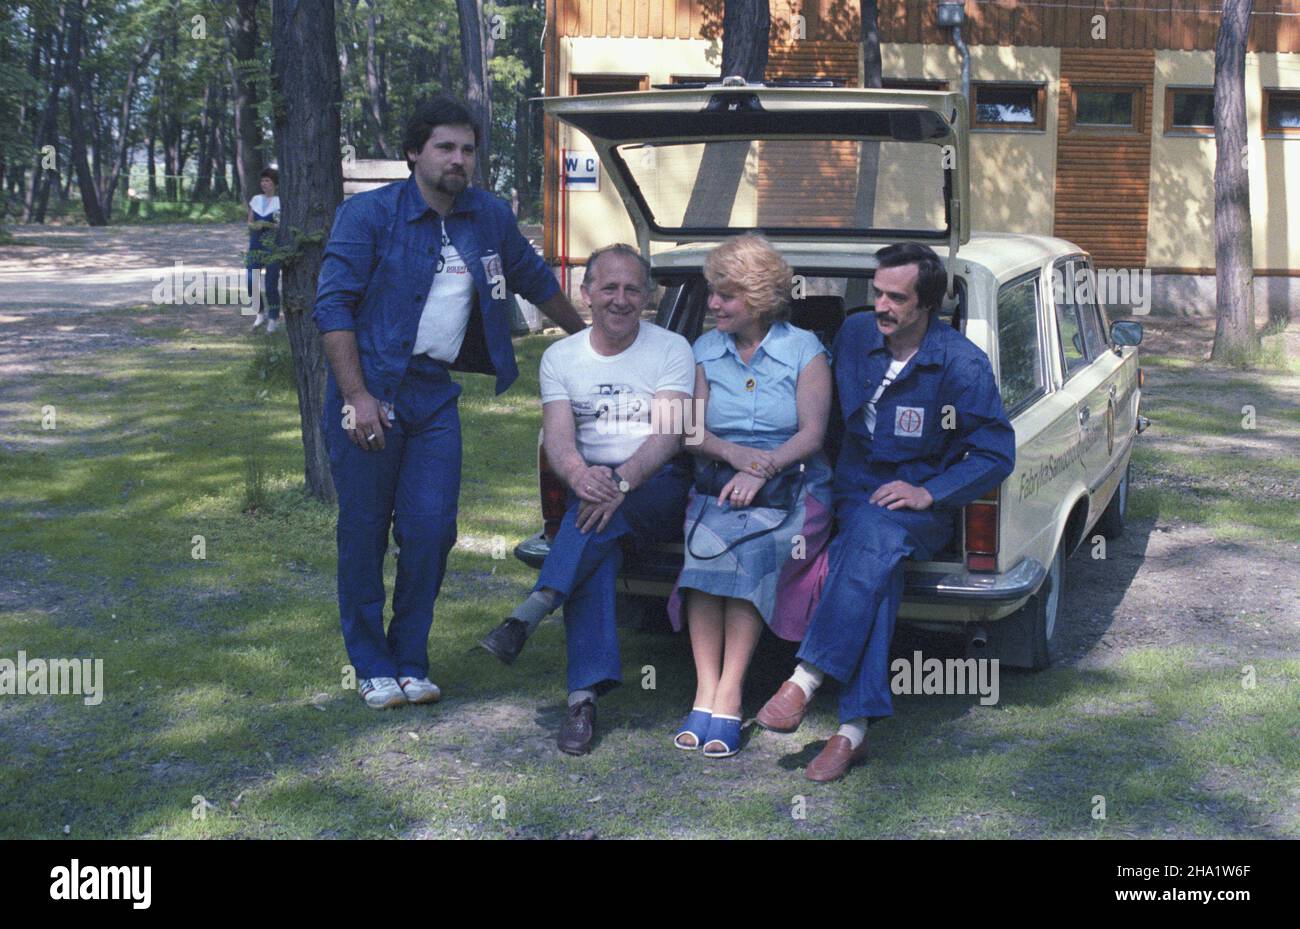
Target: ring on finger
[371,437]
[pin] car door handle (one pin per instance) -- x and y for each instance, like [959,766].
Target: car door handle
[1113,391]
[1084,413]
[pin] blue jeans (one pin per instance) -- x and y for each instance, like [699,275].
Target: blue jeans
[583,568]
[853,625]
[272,299]
[412,486]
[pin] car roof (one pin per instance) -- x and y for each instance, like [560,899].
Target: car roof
[1002,254]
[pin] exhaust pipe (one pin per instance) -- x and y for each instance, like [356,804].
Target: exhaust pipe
[979,638]
[1142,424]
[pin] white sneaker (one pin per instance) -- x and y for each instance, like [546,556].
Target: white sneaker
[380,693]
[420,689]
[272,325]
[261,318]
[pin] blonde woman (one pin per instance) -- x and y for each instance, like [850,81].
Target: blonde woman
[758,520]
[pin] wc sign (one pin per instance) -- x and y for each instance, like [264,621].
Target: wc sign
[581,171]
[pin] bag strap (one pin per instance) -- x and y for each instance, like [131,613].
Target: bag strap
[751,536]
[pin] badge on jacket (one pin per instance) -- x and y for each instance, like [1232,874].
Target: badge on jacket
[492,266]
[909,421]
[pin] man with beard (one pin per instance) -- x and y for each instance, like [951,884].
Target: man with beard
[415,283]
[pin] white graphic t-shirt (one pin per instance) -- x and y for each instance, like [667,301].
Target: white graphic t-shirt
[611,394]
[446,311]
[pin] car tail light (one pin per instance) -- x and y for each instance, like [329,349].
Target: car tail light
[554,494]
[1142,378]
[982,533]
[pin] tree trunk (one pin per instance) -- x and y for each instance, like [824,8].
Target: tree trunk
[745,28]
[124,124]
[43,178]
[1235,339]
[477,88]
[523,148]
[85,180]
[307,94]
[375,103]
[220,188]
[864,209]
[207,128]
[248,130]
[152,165]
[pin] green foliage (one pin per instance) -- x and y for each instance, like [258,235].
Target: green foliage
[393,53]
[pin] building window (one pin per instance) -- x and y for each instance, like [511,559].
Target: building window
[1189,110]
[1281,112]
[702,79]
[1107,107]
[1008,106]
[912,83]
[607,83]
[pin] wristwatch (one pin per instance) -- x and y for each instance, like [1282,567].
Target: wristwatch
[623,486]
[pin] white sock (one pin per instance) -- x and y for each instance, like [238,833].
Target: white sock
[855,730]
[579,695]
[808,678]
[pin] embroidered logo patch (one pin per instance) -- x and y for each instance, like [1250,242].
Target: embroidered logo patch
[909,420]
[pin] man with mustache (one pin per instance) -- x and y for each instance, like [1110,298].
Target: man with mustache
[925,434]
[415,283]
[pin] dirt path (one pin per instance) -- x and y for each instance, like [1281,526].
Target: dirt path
[81,269]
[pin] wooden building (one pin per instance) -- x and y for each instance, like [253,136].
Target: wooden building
[1092,119]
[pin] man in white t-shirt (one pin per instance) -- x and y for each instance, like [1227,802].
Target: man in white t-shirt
[599,387]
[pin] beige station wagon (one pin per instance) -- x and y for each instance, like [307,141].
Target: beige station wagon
[830,175]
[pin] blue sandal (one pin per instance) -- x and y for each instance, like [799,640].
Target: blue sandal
[725,730]
[696,724]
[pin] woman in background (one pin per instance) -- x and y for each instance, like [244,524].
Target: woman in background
[263,219]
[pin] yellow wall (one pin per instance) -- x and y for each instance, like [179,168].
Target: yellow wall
[1013,174]
[1272,162]
[597,218]
[1181,228]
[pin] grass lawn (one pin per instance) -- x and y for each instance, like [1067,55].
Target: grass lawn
[224,713]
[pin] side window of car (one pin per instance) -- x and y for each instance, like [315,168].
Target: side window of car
[1073,350]
[1094,337]
[1020,356]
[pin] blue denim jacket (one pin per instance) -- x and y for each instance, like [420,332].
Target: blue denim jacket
[947,375]
[379,265]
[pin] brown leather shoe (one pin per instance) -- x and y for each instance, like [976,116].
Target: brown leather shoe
[579,729]
[784,712]
[835,759]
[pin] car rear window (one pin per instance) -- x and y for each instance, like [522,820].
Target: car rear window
[893,188]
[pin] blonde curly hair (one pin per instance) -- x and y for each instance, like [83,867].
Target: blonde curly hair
[749,266]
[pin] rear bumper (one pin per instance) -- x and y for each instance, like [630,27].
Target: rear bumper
[960,588]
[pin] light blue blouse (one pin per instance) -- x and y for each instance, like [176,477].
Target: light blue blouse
[754,404]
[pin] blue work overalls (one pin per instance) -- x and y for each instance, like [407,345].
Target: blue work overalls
[949,381]
[261,245]
[583,567]
[375,278]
